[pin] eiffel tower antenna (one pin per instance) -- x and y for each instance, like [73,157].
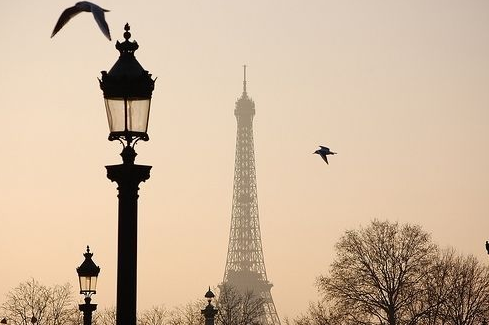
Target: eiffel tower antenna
[245,265]
[244,79]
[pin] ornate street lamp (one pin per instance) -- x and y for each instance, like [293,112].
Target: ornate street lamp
[209,311]
[87,275]
[127,89]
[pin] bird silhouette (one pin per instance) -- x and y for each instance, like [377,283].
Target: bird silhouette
[324,152]
[487,246]
[98,14]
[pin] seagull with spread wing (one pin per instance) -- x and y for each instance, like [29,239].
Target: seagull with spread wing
[324,152]
[98,14]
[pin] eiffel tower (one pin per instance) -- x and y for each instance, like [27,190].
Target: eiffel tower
[245,266]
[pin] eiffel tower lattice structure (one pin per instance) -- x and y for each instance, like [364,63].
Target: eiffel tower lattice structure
[245,266]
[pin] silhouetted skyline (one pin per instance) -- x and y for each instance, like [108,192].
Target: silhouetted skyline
[392,86]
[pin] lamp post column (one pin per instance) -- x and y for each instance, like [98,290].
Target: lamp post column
[128,176]
[87,309]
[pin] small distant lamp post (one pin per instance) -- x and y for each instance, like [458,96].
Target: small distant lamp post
[127,89]
[209,311]
[87,275]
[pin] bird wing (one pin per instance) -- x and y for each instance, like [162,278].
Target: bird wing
[98,14]
[65,17]
[325,158]
[324,148]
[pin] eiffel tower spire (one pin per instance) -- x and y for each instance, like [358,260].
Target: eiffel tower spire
[245,265]
[244,79]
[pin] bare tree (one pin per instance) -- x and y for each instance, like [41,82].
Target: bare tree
[49,305]
[188,314]
[436,289]
[105,316]
[378,276]
[317,314]
[468,301]
[60,304]
[157,315]
[238,308]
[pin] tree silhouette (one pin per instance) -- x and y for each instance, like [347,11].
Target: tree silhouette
[378,275]
[468,301]
[49,305]
[238,308]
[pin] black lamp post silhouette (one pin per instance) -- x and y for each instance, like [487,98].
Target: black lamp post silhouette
[87,276]
[209,311]
[127,89]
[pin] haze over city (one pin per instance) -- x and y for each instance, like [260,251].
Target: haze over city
[398,89]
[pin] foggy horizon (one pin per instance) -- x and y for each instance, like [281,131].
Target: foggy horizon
[398,90]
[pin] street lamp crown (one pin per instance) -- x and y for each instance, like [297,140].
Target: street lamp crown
[127,46]
[88,267]
[209,294]
[127,66]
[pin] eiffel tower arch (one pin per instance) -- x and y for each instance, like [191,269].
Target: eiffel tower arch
[245,265]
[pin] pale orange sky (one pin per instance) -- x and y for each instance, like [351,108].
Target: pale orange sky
[398,88]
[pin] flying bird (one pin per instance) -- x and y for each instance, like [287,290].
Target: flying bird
[324,152]
[98,14]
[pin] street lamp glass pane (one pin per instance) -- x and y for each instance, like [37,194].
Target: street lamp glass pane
[138,114]
[115,114]
[88,284]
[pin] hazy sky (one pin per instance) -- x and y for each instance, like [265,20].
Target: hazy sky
[400,89]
